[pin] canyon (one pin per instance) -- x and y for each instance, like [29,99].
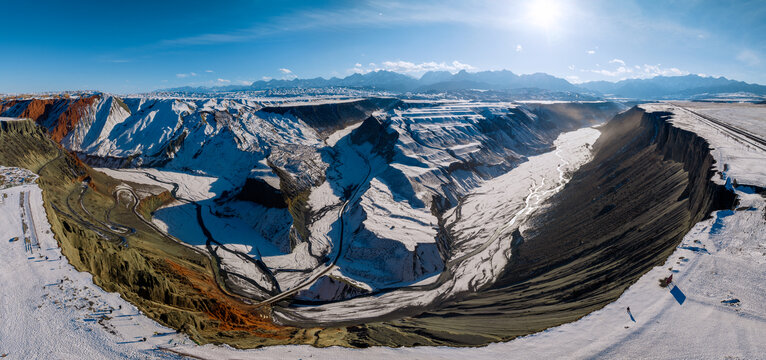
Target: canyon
[367,221]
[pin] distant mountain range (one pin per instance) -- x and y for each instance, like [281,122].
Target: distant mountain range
[660,87]
[430,81]
[673,86]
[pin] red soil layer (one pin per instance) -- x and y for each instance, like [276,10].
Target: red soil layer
[69,119]
[59,116]
[33,109]
[229,313]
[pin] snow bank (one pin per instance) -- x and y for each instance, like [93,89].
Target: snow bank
[50,310]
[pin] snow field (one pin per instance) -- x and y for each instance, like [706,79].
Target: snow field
[49,310]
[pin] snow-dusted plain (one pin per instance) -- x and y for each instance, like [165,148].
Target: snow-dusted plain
[743,157]
[745,115]
[48,310]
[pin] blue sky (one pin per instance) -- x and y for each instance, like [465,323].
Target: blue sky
[133,46]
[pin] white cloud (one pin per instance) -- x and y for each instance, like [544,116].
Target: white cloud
[359,69]
[749,57]
[410,68]
[574,79]
[208,71]
[266,78]
[223,81]
[611,73]
[287,74]
[624,71]
[591,52]
[519,48]
[571,67]
[657,70]
[181,76]
[617,61]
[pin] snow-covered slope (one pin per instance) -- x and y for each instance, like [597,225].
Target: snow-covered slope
[320,200]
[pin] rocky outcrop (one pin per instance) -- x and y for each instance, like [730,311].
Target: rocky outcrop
[26,127]
[148,204]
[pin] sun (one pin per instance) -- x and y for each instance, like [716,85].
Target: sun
[543,13]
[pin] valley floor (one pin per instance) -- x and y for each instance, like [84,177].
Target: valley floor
[718,310]
[483,221]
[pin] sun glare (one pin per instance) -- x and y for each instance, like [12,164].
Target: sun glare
[543,13]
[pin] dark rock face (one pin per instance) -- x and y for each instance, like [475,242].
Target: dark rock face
[377,133]
[260,192]
[571,116]
[648,184]
[326,118]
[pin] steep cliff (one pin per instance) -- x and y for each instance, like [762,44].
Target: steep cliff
[620,215]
